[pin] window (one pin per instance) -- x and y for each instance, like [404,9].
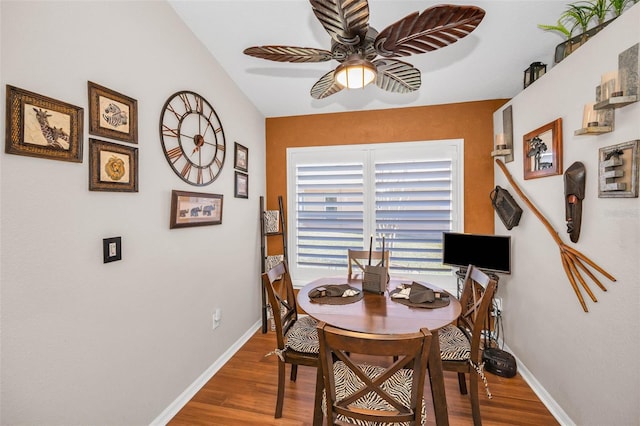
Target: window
[339,196]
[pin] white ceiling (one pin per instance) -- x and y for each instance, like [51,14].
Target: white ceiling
[487,64]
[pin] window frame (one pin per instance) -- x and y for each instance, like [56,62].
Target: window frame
[452,149]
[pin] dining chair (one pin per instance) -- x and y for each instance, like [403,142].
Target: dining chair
[296,337]
[360,258]
[460,348]
[376,391]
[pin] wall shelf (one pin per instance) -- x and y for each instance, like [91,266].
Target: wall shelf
[617,102]
[501,152]
[595,130]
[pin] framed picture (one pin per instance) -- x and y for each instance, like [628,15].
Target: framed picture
[112,114]
[242,185]
[38,126]
[241,160]
[112,167]
[195,209]
[542,151]
[618,170]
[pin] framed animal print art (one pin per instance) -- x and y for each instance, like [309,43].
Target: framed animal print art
[38,126]
[112,114]
[195,209]
[112,167]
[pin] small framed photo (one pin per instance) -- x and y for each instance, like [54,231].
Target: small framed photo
[241,159]
[112,114]
[241,187]
[38,126]
[542,150]
[195,209]
[112,167]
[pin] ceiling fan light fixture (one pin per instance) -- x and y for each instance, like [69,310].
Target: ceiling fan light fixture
[355,73]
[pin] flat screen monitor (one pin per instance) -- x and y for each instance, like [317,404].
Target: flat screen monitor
[488,252]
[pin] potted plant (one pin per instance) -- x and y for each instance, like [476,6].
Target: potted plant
[589,17]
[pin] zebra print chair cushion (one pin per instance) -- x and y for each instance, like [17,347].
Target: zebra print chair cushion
[303,336]
[454,344]
[398,385]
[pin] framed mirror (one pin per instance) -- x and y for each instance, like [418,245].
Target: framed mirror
[542,151]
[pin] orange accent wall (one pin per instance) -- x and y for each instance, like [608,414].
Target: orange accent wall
[471,121]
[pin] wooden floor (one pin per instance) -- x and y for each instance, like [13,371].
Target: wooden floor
[243,392]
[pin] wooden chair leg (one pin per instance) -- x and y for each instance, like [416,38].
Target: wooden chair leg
[294,372]
[281,384]
[475,402]
[317,405]
[462,383]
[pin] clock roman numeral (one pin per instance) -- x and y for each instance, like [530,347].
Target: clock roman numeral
[199,177]
[220,147]
[184,97]
[174,154]
[168,131]
[199,105]
[186,170]
[170,108]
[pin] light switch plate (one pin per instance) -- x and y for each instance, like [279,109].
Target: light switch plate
[111,249]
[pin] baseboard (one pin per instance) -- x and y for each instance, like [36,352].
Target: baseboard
[554,408]
[188,393]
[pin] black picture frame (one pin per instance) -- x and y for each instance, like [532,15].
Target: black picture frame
[241,185]
[241,157]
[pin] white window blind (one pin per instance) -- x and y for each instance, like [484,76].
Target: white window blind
[339,196]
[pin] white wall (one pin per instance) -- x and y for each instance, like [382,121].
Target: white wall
[587,362]
[90,343]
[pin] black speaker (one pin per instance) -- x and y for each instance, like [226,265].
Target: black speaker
[499,362]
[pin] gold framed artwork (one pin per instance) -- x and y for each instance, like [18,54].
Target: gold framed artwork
[542,151]
[195,209]
[112,114]
[39,126]
[112,167]
[241,187]
[241,157]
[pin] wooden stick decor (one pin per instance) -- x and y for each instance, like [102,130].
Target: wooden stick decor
[572,260]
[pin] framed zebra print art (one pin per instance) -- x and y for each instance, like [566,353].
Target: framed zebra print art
[112,114]
[38,126]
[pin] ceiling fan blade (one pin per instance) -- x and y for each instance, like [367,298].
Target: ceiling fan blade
[289,53]
[326,86]
[397,76]
[346,21]
[436,27]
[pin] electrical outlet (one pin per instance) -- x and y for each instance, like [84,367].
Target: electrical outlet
[217,318]
[497,306]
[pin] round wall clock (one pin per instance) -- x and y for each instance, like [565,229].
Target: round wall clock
[192,138]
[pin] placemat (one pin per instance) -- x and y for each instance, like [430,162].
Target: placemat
[336,300]
[437,303]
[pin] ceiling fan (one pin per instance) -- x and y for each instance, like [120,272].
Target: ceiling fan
[356,45]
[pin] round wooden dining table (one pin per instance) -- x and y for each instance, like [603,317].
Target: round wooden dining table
[380,314]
